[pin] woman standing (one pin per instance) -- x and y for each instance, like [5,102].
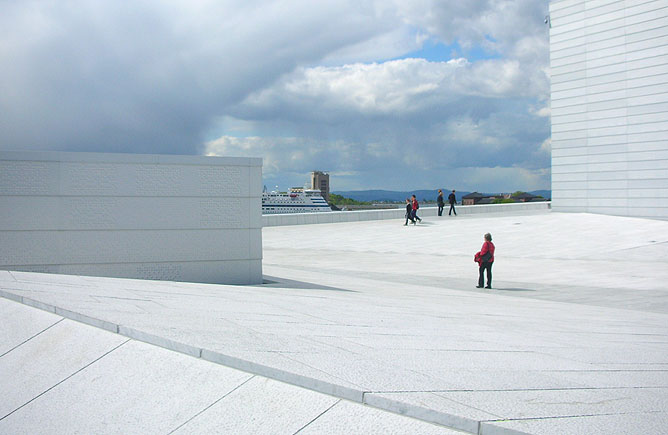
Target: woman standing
[485,258]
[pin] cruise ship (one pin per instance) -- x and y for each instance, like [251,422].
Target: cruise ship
[295,200]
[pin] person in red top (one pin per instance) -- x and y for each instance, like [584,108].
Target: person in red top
[415,209]
[485,258]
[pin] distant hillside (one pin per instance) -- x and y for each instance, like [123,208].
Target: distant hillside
[544,193]
[430,195]
[394,196]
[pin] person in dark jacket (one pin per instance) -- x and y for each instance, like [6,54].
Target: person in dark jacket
[452,200]
[485,259]
[416,206]
[440,202]
[409,212]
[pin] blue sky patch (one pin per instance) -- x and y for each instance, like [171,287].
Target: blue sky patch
[433,51]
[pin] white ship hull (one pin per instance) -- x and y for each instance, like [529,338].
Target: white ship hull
[294,201]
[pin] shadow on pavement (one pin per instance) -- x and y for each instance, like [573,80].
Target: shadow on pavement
[272,281]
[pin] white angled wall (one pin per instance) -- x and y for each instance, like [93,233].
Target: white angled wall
[609,67]
[180,218]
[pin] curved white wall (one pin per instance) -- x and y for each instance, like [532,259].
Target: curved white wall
[181,218]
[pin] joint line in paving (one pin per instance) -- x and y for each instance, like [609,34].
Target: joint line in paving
[65,379]
[557,417]
[216,401]
[318,416]
[254,370]
[24,342]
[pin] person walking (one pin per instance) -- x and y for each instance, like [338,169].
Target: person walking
[485,259]
[440,202]
[452,200]
[416,206]
[409,212]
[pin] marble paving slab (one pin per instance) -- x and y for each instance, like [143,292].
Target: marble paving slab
[385,314]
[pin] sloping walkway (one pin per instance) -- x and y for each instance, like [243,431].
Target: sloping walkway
[62,376]
[574,337]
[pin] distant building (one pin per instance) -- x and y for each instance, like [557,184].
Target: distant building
[472,198]
[320,181]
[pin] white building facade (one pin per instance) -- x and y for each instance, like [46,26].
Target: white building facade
[609,68]
[175,218]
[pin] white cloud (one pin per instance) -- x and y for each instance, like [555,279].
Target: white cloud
[304,87]
[389,45]
[501,179]
[546,146]
[399,117]
[467,131]
[391,88]
[501,25]
[152,75]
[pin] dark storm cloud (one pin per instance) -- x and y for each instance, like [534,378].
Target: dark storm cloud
[146,76]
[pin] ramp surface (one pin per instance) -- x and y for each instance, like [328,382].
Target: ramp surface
[572,339]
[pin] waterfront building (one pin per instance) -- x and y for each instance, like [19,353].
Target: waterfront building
[320,181]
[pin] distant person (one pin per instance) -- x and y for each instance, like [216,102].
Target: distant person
[416,206]
[485,259]
[409,212]
[440,202]
[452,200]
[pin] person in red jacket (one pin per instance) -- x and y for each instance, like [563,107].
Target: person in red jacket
[416,206]
[485,258]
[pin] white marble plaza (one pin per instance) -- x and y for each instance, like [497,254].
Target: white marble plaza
[365,327]
[337,217]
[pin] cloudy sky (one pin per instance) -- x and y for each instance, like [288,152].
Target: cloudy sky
[383,94]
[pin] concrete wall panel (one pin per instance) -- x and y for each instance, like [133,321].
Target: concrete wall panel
[565,7]
[134,216]
[621,124]
[600,141]
[563,178]
[79,213]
